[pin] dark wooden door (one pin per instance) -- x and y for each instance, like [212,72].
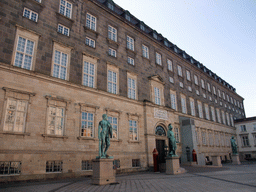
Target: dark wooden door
[161,154]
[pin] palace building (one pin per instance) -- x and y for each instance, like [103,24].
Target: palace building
[65,63]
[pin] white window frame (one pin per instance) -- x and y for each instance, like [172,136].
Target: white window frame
[145,51]
[170,65]
[90,42]
[202,83]
[209,87]
[87,131]
[177,134]
[213,114]
[130,43]
[158,58]
[214,90]
[183,104]
[30,14]
[223,117]
[157,93]
[111,52]
[200,109]
[28,36]
[62,50]
[171,79]
[245,140]
[113,81]
[192,107]
[179,70]
[66,8]
[207,114]
[61,29]
[55,124]
[188,75]
[218,115]
[114,124]
[91,22]
[89,72]
[181,85]
[112,33]
[132,89]
[130,61]
[133,125]
[173,100]
[196,79]
[228,119]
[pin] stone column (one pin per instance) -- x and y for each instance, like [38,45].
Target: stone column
[216,161]
[235,159]
[103,172]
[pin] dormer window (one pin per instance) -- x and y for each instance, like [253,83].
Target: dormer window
[184,55]
[166,43]
[155,35]
[191,60]
[198,65]
[127,16]
[111,6]
[175,50]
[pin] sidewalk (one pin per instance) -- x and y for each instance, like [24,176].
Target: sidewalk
[228,178]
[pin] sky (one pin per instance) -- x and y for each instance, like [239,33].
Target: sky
[220,34]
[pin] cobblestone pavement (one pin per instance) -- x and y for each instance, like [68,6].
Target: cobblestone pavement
[228,178]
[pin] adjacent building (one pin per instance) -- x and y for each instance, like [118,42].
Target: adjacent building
[246,138]
[65,63]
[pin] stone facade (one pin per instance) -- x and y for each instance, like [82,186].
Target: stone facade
[50,110]
[246,138]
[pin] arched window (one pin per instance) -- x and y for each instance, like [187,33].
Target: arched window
[160,131]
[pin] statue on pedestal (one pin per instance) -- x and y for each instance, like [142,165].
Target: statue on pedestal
[172,142]
[233,145]
[105,132]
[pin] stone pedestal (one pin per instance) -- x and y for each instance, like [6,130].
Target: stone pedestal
[173,166]
[103,172]
[235,159]
[216,161]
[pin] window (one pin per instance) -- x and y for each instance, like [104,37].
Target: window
[204,95]
[15,116]
[127,17]
[254,127]
[202,83]
[116,163]
[90,42]
[190,88]
[39,1]
[171,79]
[192,106]
[231,100]
[145,52]
[218,115]
[111,6]
[214,90]
[196,79]
[209,87]
[10,167]
[197,92]
[112,82]
[91,21]
[243,128]
[112,33]
[177,134]
[173,100]
[130,61]
[245,141]
[55,120]
[158,59]
[211,139]
[179,70]
[183,104]
[223,117]
[24,54]
[157,96]
[114,123]
[131,88]
[227,98]
[197,140]
[169,63]
[223,95]
[65,8]
[155,35]
[87,125]
[254,137]
[135,162]
[204,138]
[30,14]
[217,139]
[130,43]
[89,72]
[188,75]
[228,119]
[207,115]
[166,43]
[111,52]
[213,114]
[133,130]
[232,120]
[219,93]
[142,27]
[60,62]
[181,85]
[63,30]
[53,166]
[200,109]
[86,165]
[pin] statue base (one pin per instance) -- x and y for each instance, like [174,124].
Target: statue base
[173,166]
[216,161]
[235,159]
[103,173]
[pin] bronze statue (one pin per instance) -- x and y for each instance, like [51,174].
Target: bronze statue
[172,142]
[233,145]
[105,132]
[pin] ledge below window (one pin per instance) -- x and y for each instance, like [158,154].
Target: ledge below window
[90,30]
[55,136]
[87,138]
[15,133]
[129,141]
[116,140]
[246,146]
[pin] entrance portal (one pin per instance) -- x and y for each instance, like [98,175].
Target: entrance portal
[160,144]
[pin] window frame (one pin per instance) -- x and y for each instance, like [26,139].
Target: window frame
[179,70]
[188,75]
[112,52]
[183,104]
[30,14]
[192,106]
[112,124]
[63,30]
[169,65]
[65,8]
[89,24]
[130,61]
[82,130]
[157,95]
[132,77]
[113,69]
[111,34]
[90,40]
[130,42]
[131,126]
[158,59]
[145,51]
[91,61]
[173,98]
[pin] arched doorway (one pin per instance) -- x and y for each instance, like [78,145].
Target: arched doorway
[161,146]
